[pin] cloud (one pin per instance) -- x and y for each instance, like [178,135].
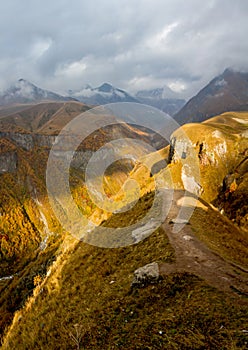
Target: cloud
[134,44]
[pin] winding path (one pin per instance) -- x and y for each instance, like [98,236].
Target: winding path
[195,257]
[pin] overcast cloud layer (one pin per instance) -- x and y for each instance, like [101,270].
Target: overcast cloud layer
[134,44]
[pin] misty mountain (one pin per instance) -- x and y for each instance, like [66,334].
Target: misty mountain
[226,92]
[162,98]
[25,92]
[104,94]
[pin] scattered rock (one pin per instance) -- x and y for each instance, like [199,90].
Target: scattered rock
[145,275]
[179,221]
[187,238]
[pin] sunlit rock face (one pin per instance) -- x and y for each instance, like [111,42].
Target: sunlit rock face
[205,153]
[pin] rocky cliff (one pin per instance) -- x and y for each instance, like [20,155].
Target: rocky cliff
[8,162]
[216,147]
[28,141]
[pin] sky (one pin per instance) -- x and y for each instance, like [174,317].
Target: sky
[133,44]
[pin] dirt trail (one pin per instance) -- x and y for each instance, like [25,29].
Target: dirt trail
[195,257]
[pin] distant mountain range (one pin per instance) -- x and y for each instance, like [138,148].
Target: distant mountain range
[163,98]
[106,93]
[23,92]
[226,92]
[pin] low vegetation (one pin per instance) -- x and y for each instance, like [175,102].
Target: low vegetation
[91,291]
[71,295]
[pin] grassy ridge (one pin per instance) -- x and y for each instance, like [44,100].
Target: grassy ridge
[90,289]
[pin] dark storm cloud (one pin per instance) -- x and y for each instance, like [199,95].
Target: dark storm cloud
[134,44]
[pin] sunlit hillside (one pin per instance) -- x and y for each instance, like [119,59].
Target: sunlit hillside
[179,284]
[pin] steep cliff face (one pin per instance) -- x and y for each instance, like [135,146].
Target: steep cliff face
[24,141]
[29,141]
[8,157]
[8,162]
[46,141]
[199,156]
[214,147]
[233,197]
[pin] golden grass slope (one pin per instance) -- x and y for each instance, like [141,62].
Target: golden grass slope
[88,289]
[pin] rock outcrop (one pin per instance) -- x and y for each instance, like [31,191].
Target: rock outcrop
[28,141]
[145,275]
[203,154]
[8,162]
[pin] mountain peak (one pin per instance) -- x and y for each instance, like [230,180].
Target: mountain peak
[226,92]
[229,70]
[103,94]
[159,93]
[23,80]
[105,87]
[162,98]
[25,92]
